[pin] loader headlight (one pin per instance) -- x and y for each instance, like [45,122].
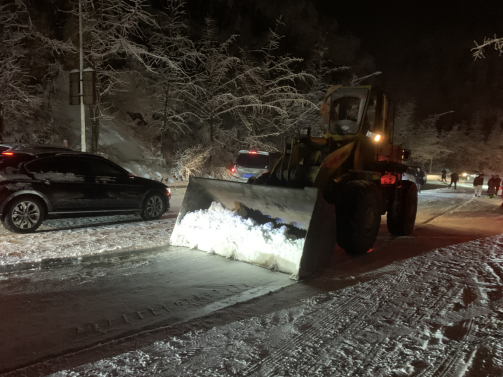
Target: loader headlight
[375,136]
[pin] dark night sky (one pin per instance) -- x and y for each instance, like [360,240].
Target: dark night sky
[423,49]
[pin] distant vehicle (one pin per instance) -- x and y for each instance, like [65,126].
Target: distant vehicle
[410,174]
[469,175]
[251,164]
[44,182]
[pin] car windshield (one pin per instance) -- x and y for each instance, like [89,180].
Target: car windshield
[254,161]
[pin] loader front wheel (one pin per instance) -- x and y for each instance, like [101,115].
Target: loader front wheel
[402,214]
[358,216]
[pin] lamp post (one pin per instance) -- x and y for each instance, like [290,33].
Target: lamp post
[81,85]
[355,81]
[436,117]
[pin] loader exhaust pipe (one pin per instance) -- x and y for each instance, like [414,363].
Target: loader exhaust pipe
[301,216]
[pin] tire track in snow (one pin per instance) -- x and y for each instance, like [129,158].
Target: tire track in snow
[280,357]
[451,209]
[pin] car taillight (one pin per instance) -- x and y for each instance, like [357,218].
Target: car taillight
[252,152]
[168,191]
[8,153]
[233,169]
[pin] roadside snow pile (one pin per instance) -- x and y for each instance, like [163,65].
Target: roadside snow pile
[223,232]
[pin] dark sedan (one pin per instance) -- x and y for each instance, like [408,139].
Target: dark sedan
[38,183]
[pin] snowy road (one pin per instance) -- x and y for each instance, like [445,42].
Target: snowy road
[426,305]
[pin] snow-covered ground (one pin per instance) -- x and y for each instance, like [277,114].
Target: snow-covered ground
[64,238]
[426,305]
[86,236]
[439,314]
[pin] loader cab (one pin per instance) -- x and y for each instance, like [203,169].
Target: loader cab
[344,111]
[362,114]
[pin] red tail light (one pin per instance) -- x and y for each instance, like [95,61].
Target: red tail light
[8,153]
[388,179]
[233,170]
[252,152]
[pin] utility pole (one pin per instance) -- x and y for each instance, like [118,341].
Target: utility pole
[81,85]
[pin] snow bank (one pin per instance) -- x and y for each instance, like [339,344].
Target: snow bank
[66,238]
[223,232]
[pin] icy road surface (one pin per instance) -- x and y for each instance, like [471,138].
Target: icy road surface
[425,305]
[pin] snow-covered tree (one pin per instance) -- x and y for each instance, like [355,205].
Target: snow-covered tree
[421,137]
[273,79]
[18,99]
[493,152]
[173,91]
[323,74]
[114,45]
[495,42]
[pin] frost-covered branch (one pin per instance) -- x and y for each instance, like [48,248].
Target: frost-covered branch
[478,51]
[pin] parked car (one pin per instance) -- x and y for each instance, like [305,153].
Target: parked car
[43,182]
[251,163]
[410,174]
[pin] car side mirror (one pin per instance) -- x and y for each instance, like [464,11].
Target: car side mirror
[406,155]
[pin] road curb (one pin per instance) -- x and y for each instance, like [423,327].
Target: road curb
[67,261]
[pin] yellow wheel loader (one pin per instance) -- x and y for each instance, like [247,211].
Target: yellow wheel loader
[322,190]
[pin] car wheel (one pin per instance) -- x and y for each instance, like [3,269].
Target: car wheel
[153,207]
[24,215]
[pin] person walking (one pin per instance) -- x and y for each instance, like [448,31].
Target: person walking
[454,179]
[419,179]
[477,184]
[444,176]
[497,184]
[491,185]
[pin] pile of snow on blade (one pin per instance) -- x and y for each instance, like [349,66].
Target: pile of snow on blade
[223,232]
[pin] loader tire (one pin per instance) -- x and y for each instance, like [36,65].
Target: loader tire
[358,216]
[402,218]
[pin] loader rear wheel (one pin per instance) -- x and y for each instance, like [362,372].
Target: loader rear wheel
[402,214]
[358,216]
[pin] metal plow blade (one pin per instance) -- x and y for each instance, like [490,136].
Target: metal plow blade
[302,216]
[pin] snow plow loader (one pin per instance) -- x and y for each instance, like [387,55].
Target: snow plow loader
[321,191]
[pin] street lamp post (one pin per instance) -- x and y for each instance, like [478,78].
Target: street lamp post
[356,81]
[81,85]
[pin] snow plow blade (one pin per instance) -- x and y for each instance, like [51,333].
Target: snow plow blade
[284,229]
